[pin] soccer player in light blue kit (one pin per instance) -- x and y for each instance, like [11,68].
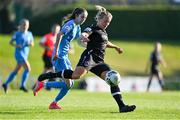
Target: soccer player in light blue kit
[21,40]
[70,30]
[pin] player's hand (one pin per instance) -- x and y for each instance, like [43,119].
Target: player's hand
[18,46]
[84,38]
[119,50]
[55,57]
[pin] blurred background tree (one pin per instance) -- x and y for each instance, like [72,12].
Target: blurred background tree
[11,11]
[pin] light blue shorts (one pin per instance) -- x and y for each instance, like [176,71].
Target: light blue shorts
[62,64]
[20,59]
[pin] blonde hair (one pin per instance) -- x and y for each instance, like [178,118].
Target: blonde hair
[23,21]
[102,12]
[158,46]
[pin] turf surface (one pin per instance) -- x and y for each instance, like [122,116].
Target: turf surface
[82,105]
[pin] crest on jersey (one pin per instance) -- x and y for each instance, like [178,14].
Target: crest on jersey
[67,28]
[88,29]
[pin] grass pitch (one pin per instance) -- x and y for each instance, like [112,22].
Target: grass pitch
[82,105]
[131,62]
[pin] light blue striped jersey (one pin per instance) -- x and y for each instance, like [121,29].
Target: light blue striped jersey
[23,39]
[71,31]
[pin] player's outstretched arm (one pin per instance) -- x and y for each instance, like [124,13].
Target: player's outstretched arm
[58,40]
[117,48]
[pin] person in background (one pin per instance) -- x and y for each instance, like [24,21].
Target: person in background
[47,42]
[21,40]
[155,59]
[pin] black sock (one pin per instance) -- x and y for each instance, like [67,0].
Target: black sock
[67,74]
[62,74]
[115,91]
[45,76]
[148,86]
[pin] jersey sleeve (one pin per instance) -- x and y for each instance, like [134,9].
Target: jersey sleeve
[67,27]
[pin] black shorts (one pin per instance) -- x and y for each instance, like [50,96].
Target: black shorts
[154,70]
[47,61]
[93,63]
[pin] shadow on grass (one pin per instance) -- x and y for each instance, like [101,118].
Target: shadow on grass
[13,112]
[30,111]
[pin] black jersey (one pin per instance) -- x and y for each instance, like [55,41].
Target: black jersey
[93,57]
[98,41]
[155,59]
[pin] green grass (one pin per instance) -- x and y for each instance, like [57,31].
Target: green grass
[82,105]
[131,62]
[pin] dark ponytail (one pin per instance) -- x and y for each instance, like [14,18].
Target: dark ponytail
[76,12]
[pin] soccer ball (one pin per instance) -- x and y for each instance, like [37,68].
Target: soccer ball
[112,78]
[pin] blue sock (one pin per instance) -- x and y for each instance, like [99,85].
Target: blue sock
[24,77]
[62,85]
[61,94]
[10,78]
[55,84]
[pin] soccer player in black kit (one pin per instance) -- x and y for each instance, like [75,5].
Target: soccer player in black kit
[92,59]
[155,59]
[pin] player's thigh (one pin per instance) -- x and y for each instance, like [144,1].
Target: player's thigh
[79,72]
[18,67]
[62,64]
[159,75]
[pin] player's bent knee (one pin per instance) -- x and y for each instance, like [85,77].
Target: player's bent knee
[71,84]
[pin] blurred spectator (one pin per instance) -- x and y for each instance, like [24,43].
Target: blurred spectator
[21,40]
[155,59]
[47,42]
